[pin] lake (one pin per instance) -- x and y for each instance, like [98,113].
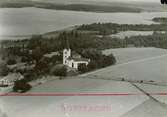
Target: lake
[23,22]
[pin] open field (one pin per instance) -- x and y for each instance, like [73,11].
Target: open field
[48,106]
[124,55]
[123,35]
[148,64]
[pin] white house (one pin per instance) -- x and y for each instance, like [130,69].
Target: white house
[10,79]
[72,59]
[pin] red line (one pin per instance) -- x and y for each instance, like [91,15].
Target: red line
[79,94]
[161,94]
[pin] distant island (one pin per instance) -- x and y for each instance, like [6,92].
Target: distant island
[72,7]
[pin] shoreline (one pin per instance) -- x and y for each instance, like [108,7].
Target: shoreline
[25,37]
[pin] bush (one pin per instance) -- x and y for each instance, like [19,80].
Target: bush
[82,68]
[98,60]
[59,71]
[25,59]
[111,59]
[21,86]
[11,62]
[107,60]
[92,65]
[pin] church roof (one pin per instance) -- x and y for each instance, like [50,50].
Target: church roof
[78,59]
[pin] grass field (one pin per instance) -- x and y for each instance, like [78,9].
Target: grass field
[138,64]
[124,55]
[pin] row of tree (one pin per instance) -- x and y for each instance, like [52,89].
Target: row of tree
[113,28]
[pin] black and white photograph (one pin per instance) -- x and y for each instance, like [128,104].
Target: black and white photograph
[83,58]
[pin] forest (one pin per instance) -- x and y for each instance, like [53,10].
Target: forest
[113,28]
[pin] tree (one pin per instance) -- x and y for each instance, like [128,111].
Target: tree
[21,86]
[34,42]
[163,1]
[56,58]
[92,54]
[92,65]
[11,61]
[107,60]
[82,68]
[37,54]
[3,69]
[59,71]
[41,67]
[25,59]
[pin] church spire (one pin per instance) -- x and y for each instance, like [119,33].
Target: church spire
[67,44]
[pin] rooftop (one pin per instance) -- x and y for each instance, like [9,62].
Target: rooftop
[51,54]
[78,59]
[13,77]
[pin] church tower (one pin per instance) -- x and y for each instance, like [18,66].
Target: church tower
[66,52]
[66,55]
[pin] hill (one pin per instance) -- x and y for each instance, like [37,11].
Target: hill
[73,7]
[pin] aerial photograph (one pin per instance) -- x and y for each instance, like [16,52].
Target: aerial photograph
[83,58]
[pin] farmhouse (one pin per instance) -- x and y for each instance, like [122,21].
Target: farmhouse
[73,59]
[10,79]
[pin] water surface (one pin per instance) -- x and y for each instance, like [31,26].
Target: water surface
[29,21]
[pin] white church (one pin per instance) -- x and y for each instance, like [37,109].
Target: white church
[73,59]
